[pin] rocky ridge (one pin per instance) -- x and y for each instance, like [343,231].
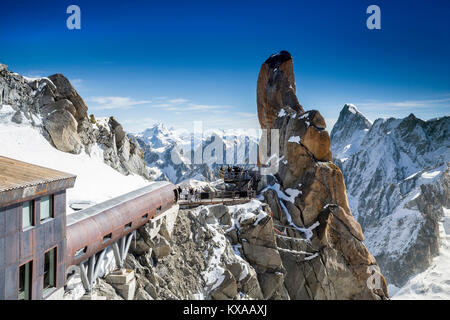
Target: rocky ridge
[214,252]
[53,106]
[397,177]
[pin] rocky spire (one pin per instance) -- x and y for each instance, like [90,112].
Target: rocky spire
[276,88]
[321,244]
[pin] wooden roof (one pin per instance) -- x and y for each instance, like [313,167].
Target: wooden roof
[16,174]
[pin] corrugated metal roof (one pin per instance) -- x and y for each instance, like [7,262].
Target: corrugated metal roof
[16,174]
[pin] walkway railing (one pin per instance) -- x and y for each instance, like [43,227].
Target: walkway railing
[231,195]
[236,176]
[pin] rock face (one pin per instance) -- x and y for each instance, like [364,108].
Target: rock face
[54,107]
[398,176]
[276,88]
[348,132]
[321,243]
[62,127]
[215,252]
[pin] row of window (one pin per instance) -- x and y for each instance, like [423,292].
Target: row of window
[108,237]
[26,275]
[28,211]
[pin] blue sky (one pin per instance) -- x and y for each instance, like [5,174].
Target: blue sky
[176,62]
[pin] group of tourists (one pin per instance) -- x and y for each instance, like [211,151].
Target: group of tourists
[190,194]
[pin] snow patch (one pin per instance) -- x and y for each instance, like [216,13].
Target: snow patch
[295,139]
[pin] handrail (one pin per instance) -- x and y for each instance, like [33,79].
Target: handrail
[220,195]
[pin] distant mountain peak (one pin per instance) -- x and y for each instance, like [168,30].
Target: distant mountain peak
[349,131]
[350,110]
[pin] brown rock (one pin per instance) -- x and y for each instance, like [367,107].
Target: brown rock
[276,88]
[65,90]
[336,265]
[318,143]
[62,127]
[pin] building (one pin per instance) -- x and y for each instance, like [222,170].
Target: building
[32,230]
[39,245]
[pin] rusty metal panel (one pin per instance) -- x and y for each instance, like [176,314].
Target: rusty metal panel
[11,282]
[12,224]
[2,283]
[2,222]
[89,227]
[18,247]
[2,252]
[12,248]
[26,245]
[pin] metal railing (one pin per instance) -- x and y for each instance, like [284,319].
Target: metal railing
[224,195]
[236,176]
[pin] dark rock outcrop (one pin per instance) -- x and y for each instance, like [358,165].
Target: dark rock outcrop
[65,90]
[276,88]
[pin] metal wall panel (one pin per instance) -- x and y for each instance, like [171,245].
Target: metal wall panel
[2,222]
[18,247]
[11,281]
[2,283]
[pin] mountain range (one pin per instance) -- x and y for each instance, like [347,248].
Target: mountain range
[397,173]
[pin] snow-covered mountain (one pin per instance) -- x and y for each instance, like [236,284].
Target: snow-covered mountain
[44,121]
[397,173]
[346,142]
[53,107]
[170,153]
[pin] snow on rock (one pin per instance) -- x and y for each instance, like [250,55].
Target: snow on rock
[348,132]
[295,139]
[397,173]
[282,113]
[434,283]
[224,250]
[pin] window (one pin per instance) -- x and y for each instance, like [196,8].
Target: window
[25,276]
[50,269]
[127,226]
[46,208]
[80,252]
[27,214]
[107,237]
[144,217]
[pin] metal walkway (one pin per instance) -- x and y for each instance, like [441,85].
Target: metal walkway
[185,204]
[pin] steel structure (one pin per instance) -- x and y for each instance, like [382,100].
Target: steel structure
[50,238]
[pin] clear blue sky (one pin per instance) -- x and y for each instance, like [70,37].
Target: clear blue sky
[175,62]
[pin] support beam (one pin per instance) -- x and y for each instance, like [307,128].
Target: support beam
[121,247]
[99,262]
[116,251]
[84,276]
[127,246]
[89,274]
[91,269]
